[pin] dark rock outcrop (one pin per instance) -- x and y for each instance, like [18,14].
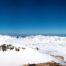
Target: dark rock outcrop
[44,64]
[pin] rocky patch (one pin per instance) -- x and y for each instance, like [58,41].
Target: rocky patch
[5,47]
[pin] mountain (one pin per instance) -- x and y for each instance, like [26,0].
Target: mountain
[53,46]
[25,55]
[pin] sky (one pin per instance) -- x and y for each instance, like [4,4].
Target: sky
[33,16]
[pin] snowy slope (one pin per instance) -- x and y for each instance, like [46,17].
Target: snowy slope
[51,45]
[24,56]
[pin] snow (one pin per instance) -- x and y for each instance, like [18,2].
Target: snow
[48,46]
[26,56]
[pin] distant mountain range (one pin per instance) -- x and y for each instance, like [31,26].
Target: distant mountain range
[24,35]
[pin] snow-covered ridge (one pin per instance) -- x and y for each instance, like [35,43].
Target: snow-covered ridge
[32,39]
[22,55]
[54,46]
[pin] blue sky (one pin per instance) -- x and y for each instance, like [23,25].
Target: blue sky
[33,16]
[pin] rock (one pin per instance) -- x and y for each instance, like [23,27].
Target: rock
[10,47]
[4,47]
[44,64]
[17,49]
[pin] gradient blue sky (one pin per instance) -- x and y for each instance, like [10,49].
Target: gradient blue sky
[32,16]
